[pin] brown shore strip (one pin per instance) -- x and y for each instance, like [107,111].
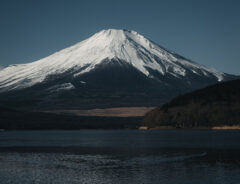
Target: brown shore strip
[234,127]
[108,112]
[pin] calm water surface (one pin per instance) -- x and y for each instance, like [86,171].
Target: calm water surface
[120,156]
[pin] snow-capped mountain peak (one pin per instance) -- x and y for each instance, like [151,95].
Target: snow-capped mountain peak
[127,46]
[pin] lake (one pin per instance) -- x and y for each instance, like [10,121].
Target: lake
[120,156]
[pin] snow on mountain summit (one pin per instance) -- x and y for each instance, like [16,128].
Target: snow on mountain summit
[127,46]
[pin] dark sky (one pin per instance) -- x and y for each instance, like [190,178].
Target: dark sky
[206,31]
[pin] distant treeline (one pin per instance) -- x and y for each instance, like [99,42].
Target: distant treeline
[215,105]
[23,120]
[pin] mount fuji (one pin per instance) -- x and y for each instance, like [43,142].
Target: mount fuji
[111,68]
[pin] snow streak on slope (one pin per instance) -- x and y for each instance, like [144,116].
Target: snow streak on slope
[128,46]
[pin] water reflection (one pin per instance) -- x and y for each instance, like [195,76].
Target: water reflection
[167,157]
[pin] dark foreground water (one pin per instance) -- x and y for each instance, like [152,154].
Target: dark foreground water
[120,156]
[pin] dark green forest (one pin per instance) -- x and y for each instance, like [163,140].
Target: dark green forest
[215,105]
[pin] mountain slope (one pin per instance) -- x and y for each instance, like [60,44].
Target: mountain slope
[113,67]
[215,105]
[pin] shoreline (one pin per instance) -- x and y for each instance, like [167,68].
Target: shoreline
[234,127]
